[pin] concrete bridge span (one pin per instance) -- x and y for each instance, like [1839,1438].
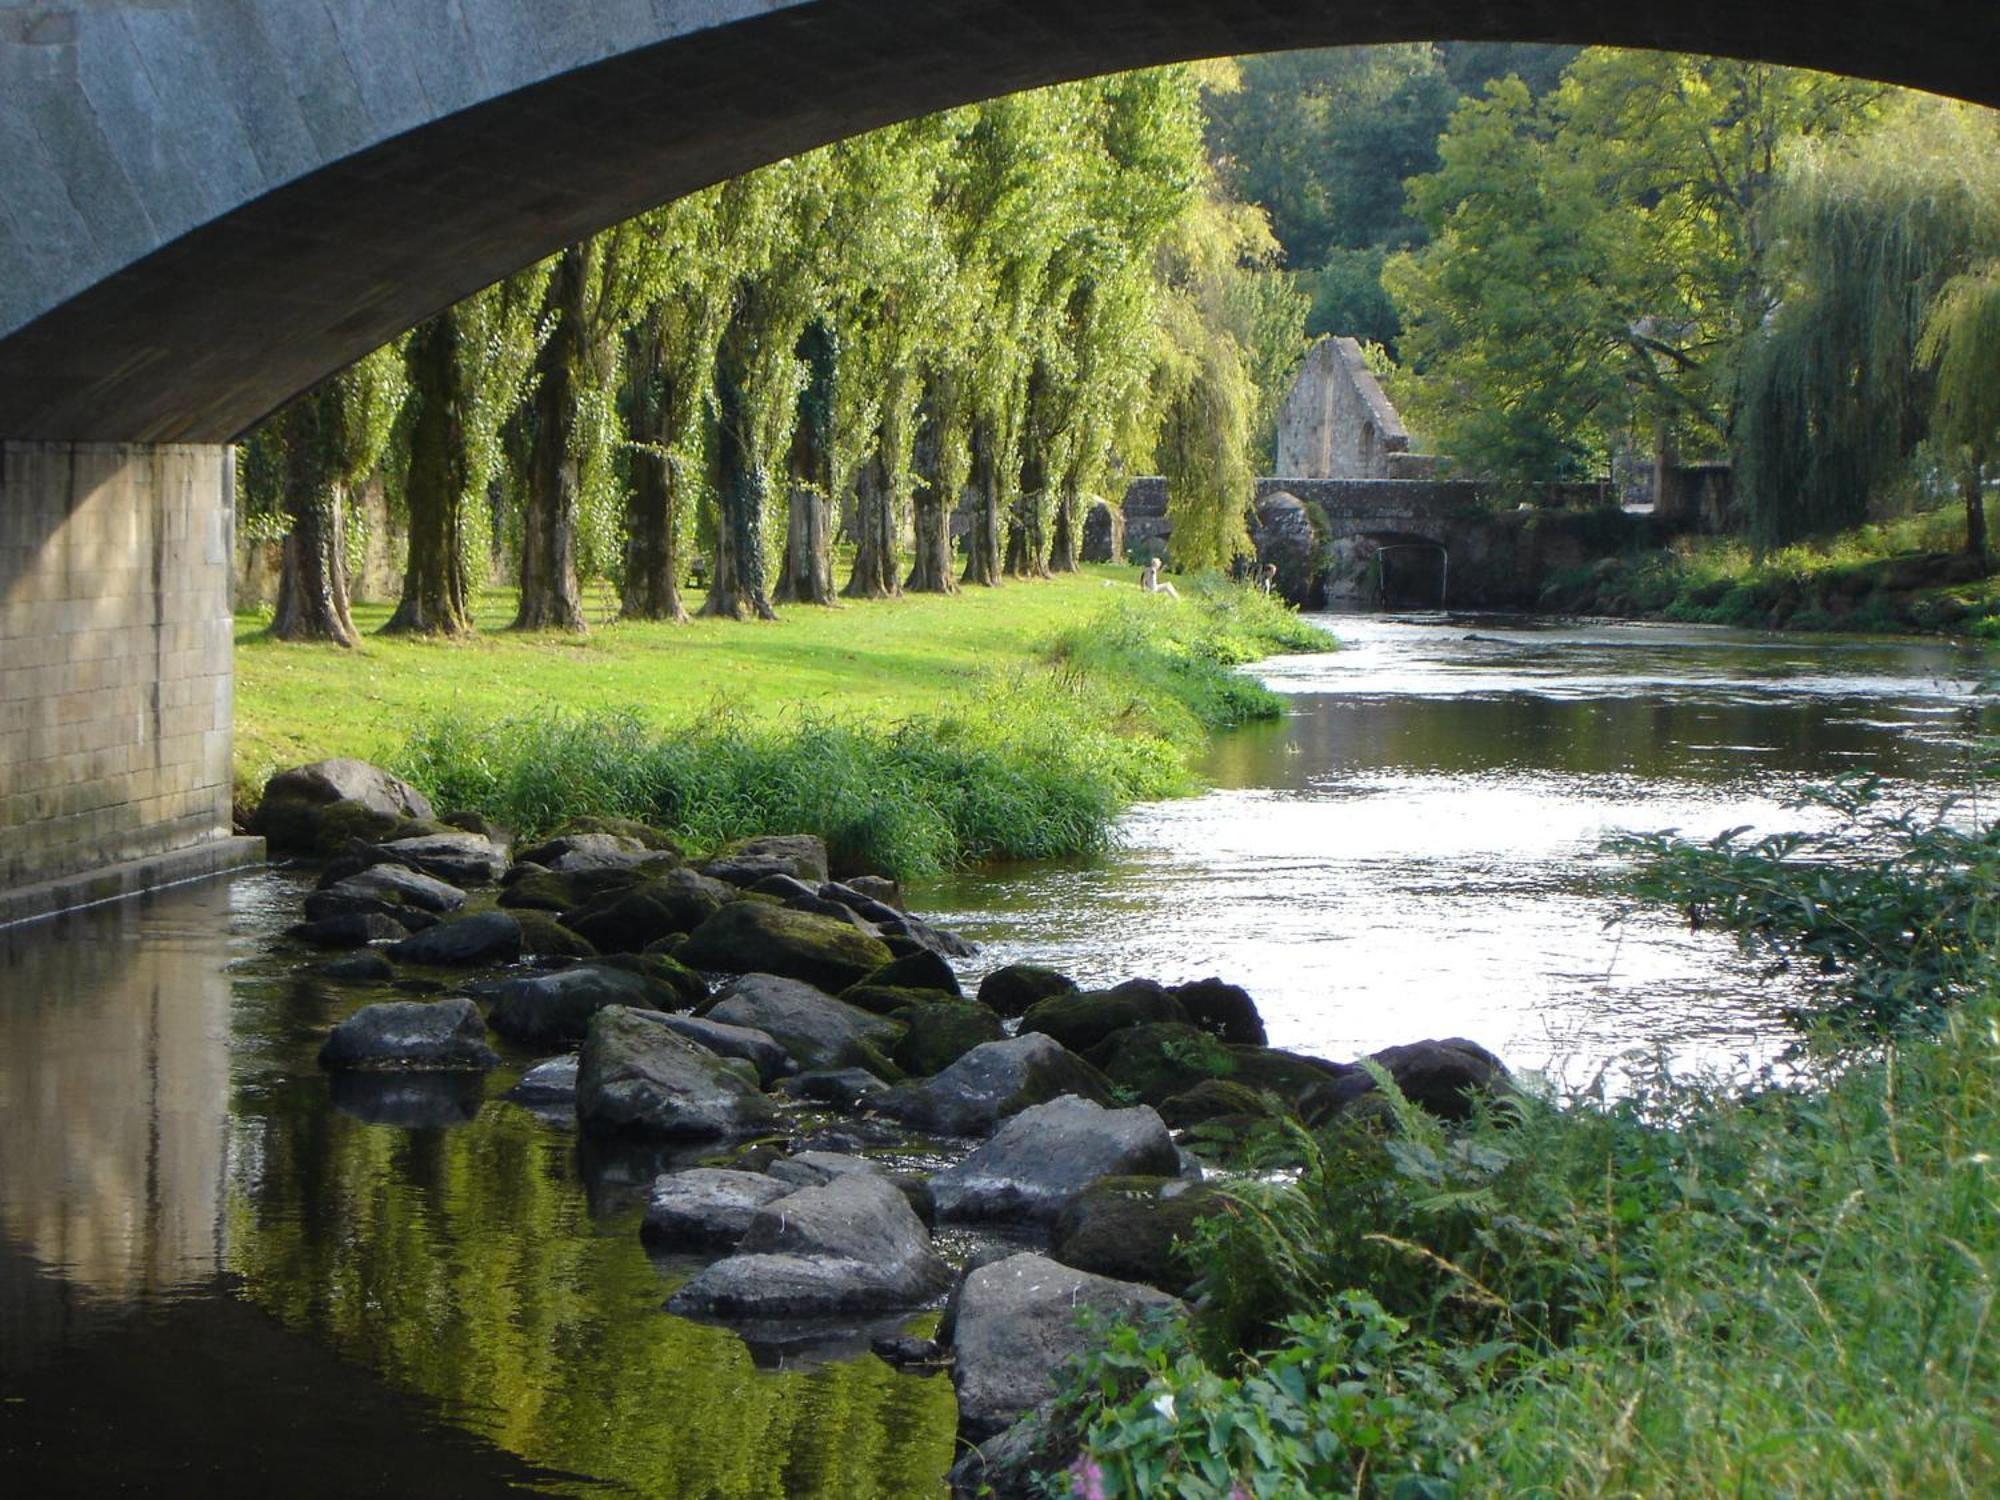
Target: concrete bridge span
[207,205]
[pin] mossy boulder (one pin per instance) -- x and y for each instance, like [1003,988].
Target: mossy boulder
[992,1082]
[1013,990]
[1083,1020]
[297,802]
[628,921]
[541,890]
[1223,1010]
[467,821]
[923,970]
[689,988]
[1154,1062]
[1135,1229]
[542,936]
[624,828]
[819,1031]
[939,1034]
[639,1079]
[750,937]
[887,999]
[1215,1099]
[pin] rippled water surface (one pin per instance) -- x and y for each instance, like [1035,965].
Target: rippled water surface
[219,1275]
[1414,850]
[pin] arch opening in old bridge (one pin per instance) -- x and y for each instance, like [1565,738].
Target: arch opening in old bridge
[207,205]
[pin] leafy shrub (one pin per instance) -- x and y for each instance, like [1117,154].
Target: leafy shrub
[1890,915]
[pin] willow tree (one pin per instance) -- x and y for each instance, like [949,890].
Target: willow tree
[550,595]
[1839,390]
[806,574]
[300,465]
[891,283]
[469,368]
[669,366]
[1205,382]
[1961,343]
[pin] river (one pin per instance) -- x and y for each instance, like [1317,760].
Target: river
[217,1275]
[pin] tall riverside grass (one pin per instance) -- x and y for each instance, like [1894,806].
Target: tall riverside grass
[1036,762]
[1681,1292]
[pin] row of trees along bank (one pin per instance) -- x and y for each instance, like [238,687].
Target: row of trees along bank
[1011,302]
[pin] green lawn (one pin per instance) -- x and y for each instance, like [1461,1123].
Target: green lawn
[884,660]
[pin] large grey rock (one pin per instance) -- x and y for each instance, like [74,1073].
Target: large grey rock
[991,1083]
[551,1081]
[392,885]
[573,853]
[639,1079]
[758,1048]
[852,1245]
[816,1029]
[754,937]
[1013,989]
[1044,1157]
[295,801]
[348,929]
[627,921]
[487,937]
[815,1168]
[543,1009]
[707,1208]
[461,858]
[747,861]
[1442,1076]
[416,1035]
[1015,1325]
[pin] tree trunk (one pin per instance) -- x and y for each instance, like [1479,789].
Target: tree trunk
[437,594]
[652,548]
[549,596]
[312,582]
[930,569]
[652,588]
[874,574]
[1973,487]
[1063,532]
[807,573]
[736,590]
[982,545]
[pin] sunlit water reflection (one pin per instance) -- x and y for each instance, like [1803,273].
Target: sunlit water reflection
[1416,849]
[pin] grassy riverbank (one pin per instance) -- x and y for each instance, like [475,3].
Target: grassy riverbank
[1667,1289]
[1907,574]
[913,734]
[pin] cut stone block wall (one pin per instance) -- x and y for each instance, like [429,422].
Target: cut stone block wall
[115,653]
[1337,422]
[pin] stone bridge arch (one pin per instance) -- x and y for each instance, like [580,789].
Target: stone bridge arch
[206,205]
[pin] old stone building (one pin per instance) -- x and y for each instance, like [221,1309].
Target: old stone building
[1338,423]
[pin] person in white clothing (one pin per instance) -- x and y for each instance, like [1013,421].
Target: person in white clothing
[1149,580]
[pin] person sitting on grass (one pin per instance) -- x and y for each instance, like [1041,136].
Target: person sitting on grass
[1149,581]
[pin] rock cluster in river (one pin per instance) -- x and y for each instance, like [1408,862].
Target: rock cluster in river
[753,1003]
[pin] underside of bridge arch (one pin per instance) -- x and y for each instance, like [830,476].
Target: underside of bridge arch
[207,205]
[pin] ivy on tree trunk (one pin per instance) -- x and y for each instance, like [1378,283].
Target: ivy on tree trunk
[982,543]
[807,574]
[549,596]
[874,574]
[930,569]
[437,594]
[312,580]
[1063,532]
[736,590]
[652,588]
